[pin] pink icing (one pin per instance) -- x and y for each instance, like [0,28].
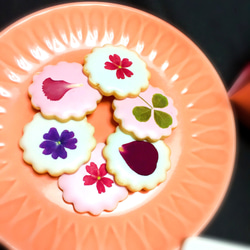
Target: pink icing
[86,198]
[75,98]
[149,129]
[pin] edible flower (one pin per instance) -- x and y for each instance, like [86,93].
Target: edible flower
[55,144]
[119,65]
[97,176]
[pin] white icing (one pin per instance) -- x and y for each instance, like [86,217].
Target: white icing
[124,175]
[106,80]
[33,137]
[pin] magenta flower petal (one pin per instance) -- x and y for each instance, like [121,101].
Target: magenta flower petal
[54,90]
[102,170]
[127,72]
[106,181]
[120,74]
[89,180]
[115,59]
[126,63]
[110,66]
[100,187]
[92,169]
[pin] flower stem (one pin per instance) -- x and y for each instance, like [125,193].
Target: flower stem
[75,85]
[145,102]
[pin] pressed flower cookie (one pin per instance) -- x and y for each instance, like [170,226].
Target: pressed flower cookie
[55,147]
[136,164]
[62,91]
[151,115]
[91,189]
[116,70]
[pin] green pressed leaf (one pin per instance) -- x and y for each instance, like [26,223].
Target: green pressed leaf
[141,113]
[159,101]
[162,119]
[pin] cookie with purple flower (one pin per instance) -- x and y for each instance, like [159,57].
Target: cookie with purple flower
[55,147]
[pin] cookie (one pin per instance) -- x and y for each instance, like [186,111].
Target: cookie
[55,147]
[91,189]
[116,70]
[150,116]
[137,165]
[62,92]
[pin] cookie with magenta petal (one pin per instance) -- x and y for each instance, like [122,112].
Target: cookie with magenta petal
[91,189]
[137,165]
[151,115]
[55,147]
[117,71]
[62,92]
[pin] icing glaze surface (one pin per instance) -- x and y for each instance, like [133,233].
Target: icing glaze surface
[43,139]
[124,175]
[150,116]
[62,91]
[89,198]
[115,70]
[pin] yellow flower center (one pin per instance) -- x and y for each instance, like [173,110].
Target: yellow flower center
[119,66]
[58,143]
[99,178]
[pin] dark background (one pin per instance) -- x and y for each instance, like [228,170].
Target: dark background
[222,31]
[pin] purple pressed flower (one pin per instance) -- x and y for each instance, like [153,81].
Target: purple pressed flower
[55,144]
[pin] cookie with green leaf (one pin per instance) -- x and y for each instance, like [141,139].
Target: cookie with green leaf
[150,116]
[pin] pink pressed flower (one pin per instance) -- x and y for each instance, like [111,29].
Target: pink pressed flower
[97,176]
[119,65]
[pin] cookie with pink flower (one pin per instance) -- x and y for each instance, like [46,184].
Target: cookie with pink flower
[62,91]
[117,71]
[91,189]
[150,116]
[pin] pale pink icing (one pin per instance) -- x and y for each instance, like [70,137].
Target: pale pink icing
[144,130]
[85,198]
[76,103]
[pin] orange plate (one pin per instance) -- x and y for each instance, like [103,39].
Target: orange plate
[32,212]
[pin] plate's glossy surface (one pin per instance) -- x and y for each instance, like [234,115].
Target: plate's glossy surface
[32,213]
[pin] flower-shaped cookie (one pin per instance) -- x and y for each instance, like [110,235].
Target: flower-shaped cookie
[62,91]
[55,147]
[150,116]
[136,164]
[91,189]
[116,70]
